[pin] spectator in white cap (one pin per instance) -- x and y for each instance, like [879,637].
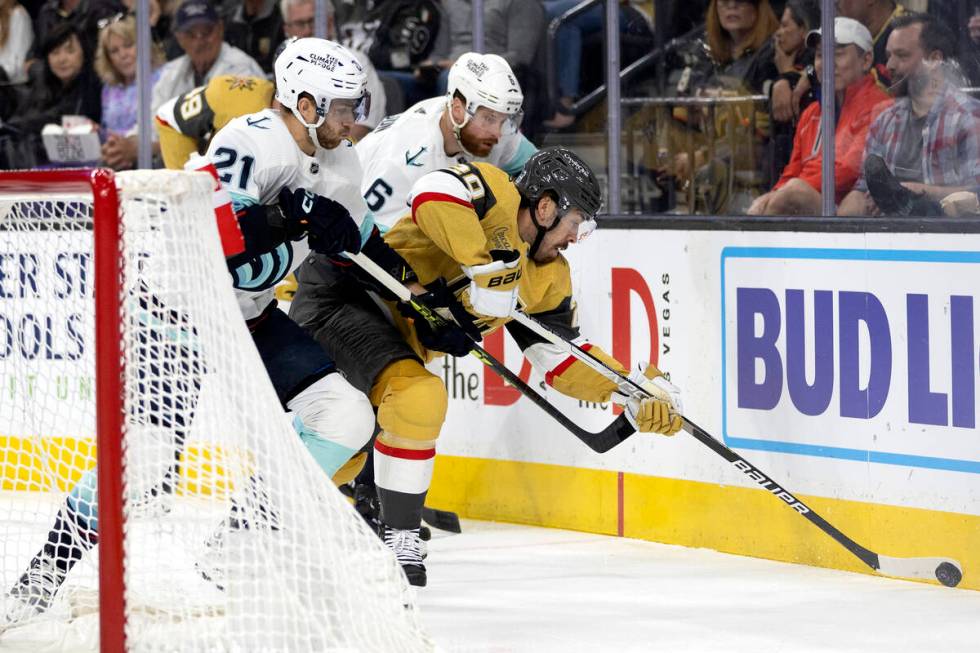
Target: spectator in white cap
[927,144]
[859,100]
[200,34]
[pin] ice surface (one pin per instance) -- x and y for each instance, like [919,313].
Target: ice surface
[501,587]
[505,588]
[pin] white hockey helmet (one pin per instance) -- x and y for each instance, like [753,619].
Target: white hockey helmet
[485,80]
[324,70]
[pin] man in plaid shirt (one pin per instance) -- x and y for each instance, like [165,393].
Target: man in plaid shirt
[929,139]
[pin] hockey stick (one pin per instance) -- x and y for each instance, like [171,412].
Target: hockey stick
[946,570]
[444,520]
[600,442]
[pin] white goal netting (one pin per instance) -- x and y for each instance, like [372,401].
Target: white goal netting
[215,479]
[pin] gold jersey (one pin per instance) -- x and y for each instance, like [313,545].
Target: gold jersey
[458,215]
[187,122]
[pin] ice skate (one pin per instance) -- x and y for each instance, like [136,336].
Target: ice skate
[409,550]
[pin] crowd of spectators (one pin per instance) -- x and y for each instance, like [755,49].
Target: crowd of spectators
[751,144]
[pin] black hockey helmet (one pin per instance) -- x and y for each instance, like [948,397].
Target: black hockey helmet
[567,176]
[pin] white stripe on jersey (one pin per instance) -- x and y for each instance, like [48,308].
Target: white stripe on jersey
[166,114]
[443,183]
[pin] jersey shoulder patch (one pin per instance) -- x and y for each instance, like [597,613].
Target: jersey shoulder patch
[480,195]
[193,115]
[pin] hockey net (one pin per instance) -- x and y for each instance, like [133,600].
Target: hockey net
[203,438]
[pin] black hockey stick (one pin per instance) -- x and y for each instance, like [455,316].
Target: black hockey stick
[444,520]
[600,442]
[946,570]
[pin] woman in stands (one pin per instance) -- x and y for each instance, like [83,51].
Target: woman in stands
[115,63]
[739,39]
[64,86]
[793,60]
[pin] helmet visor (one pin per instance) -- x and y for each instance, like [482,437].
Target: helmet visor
[490,120]
[574,222]
[585,229]
[356,108]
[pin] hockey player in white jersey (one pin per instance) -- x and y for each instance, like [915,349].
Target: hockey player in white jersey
[294,179]
[477,120]
[294,175]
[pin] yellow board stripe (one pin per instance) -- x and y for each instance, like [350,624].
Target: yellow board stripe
[740,520]
[57,463]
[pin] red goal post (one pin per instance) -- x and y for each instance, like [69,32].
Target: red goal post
[179,394]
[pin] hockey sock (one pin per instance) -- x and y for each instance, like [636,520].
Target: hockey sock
[70,537]
[402,477]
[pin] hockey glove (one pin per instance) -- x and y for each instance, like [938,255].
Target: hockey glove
[451,329]
[659,413]
[376,249]
[328,224]
[494,285]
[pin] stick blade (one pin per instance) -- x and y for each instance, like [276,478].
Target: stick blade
[947,571]
[444,520]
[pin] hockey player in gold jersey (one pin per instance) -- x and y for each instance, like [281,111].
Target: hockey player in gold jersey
[481,245]
[187,122]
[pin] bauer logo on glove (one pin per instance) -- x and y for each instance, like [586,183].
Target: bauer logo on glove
[503,280]
[494,285]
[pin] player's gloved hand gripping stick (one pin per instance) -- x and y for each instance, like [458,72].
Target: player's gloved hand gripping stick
[326,222]
[946,570]
[600,442]
[453,341]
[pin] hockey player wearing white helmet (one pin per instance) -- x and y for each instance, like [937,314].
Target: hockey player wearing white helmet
[323,86]
[478,119]
[294,179]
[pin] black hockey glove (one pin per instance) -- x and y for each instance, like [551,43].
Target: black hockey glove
[328,224]
[438,333]
[376,249]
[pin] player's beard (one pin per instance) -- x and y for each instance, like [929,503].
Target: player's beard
[479,147]
[329,137]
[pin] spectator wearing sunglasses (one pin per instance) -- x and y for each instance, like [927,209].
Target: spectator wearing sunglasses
[200,34]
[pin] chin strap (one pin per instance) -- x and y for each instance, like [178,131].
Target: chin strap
[310,128]
[458,128]
[541,229]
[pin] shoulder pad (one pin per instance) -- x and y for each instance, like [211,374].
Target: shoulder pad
[481,196]
[194,116]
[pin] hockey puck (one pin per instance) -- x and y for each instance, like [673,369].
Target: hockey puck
[949,574]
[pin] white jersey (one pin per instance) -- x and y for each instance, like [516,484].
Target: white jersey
[408,145]
[256,157]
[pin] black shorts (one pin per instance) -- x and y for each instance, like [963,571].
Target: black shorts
[346,322]
[293,360]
